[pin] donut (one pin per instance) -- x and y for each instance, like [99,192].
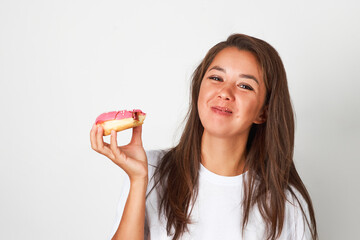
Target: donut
[120,120]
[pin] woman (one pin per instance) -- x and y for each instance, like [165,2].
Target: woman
[232,174]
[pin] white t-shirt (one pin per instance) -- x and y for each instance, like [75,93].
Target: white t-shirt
[217,211]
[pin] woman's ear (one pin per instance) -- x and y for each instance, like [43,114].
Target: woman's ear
[262,115]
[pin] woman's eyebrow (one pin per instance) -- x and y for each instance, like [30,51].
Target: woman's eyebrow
[217,68]
[248,76]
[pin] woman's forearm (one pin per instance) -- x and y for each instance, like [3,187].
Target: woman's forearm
[133,218]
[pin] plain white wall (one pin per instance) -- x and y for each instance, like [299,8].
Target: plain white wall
[62,63]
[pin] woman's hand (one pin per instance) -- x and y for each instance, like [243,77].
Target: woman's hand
[131,158]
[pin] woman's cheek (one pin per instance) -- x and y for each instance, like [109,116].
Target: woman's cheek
[248,107]
[203,98]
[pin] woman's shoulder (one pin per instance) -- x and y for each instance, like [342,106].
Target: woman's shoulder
[154,156]
[295,198]
[296,215]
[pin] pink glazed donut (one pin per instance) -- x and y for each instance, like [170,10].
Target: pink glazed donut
[120,120]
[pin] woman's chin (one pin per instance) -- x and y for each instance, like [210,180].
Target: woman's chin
[224,133]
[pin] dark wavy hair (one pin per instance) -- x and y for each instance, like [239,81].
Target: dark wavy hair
[269,151]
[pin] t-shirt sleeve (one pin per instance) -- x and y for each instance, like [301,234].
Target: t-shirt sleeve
[295,224]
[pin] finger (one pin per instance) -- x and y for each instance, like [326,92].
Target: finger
[99,138]
[93,137]
[107,151]
[103,147]
[113,145]
[136,135]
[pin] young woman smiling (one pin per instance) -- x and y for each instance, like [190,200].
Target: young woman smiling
[232,175]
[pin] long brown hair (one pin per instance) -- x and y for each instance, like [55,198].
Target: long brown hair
[269,151]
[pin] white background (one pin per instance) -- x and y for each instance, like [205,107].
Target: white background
[62,63]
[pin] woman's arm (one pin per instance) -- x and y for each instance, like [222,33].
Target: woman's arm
[132,159]
[133,219]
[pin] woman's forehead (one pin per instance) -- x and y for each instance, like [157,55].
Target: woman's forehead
[233,59]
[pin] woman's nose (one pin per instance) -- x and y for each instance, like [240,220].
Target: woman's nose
[226,93]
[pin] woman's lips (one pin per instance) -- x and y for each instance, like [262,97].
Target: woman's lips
[222,110]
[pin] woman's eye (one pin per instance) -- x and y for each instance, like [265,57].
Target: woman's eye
[244,86]
[216,78]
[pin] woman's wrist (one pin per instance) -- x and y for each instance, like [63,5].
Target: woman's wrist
[139,182]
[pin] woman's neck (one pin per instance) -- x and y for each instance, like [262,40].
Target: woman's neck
[223,156]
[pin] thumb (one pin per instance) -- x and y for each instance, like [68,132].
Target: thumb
[136,136]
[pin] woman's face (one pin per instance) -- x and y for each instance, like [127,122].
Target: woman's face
[232,94]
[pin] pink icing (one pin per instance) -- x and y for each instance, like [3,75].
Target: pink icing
[118,115]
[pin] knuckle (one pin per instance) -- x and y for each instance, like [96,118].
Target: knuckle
[93,147]
[100,145]
[112,146]
[122,157]
[113,151]
[119,154]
